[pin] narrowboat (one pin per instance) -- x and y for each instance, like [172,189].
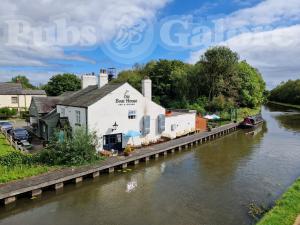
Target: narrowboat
[251,122]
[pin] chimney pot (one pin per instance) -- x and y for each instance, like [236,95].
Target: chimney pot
[103,78]
[147,88]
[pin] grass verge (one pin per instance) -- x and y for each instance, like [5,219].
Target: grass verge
[286,104]
[286,209]
[18,171]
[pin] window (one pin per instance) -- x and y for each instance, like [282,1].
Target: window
[63,112]
[14,100]
[78,119]
[131,114]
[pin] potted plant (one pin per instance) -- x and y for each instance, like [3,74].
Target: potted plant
[128,150]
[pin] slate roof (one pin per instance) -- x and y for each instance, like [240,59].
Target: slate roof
[47,104]
[50,115]
[17,89]
[10,89]
[34,92]
[89,95]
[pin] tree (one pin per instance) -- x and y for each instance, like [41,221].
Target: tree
[133,77]
[24,81]
[287,92]
[219,72]
[61,83]
[169,80]
[251,93]
[218,81]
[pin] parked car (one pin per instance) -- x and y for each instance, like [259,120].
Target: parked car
[4,125]
[20,134]
[26,144]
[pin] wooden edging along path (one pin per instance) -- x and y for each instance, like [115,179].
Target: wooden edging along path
[56,179]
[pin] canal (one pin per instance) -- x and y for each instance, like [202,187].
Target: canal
[212,184]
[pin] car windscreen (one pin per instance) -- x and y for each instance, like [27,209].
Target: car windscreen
[6,124]
[20,132]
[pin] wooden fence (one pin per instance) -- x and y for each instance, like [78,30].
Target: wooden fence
[13,143]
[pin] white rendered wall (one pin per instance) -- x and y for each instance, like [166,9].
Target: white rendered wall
[104,113]
[5,101]
[147,88]
[70,112]
[24,101]
[87,80]
[184,123]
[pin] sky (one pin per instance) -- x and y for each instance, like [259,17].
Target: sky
[42,38]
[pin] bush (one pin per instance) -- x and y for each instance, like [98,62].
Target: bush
[80,148]
[199,105]
[25,115]
[16,158]
[220,103]
[7,112]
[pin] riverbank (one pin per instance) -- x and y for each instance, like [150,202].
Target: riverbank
[56,179]
[285,104]
[286,209]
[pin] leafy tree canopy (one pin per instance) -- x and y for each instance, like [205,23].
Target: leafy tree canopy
[287,92]
[217,81]
[24,81]
[61,83]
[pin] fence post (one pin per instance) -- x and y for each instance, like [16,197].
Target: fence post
[11,140]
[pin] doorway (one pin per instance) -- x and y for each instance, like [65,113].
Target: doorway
[112,142]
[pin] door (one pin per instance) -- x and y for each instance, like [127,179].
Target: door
[112,142]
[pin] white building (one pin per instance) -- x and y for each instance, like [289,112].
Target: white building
[114,110]
[12,95]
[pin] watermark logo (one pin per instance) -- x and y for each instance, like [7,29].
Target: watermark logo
[131,43]
[22,32]
[181,33]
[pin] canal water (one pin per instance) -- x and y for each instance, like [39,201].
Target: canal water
[210,185]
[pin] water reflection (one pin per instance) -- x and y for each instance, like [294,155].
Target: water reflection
[290,121]
[221,158]
[131,185]
[287,118]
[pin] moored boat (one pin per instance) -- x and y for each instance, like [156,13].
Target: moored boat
[251,122]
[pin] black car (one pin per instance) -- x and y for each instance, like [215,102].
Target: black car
[20,134]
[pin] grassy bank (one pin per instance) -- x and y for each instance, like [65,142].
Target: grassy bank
[18,171]
[285,104]
[287,208]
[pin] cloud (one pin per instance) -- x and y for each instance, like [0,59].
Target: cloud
[268,12]
[32,32]
[270,43]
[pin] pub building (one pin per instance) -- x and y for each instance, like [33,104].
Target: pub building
[121,115]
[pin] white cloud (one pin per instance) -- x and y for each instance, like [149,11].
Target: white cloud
[104,16]
[267,12]
[273,49]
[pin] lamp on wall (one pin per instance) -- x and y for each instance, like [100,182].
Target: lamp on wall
[115,126]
